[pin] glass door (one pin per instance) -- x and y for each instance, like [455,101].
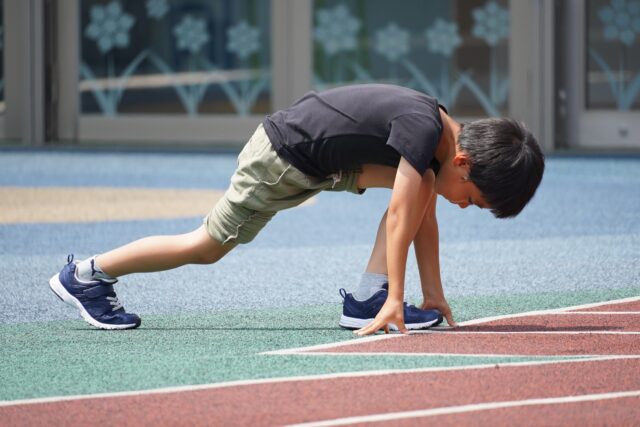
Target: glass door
[604,88]
[165,70]
[480,58]
[457,51]
[209,70]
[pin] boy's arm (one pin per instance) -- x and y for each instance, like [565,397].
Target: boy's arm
[409,199]
[427,251]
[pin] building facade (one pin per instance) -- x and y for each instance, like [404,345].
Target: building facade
[206,71]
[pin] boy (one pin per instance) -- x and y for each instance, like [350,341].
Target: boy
[344,139]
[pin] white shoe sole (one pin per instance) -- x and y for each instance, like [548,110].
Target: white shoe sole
[58,289]
[356,323]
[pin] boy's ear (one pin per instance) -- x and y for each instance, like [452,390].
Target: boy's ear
[461,159]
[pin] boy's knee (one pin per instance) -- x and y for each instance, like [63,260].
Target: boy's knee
[210,255]
[208,258]
[201,248]
[199,257]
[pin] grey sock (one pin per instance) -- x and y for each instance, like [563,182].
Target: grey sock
[370,283]
[89,270]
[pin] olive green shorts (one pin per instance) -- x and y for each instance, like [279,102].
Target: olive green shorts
[262,185]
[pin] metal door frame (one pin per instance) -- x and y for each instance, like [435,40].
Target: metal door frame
[531,67]
[24,116]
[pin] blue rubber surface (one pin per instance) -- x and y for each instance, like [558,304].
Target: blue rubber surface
[580,233]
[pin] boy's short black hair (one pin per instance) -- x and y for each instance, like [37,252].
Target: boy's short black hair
[506,163]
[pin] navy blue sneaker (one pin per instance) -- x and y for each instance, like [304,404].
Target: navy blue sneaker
[96,300]
[358,314]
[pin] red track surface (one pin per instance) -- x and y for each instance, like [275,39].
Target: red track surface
[304,400]
[546,335]
[300,401]
[574,322]
[625,412]
[503,344]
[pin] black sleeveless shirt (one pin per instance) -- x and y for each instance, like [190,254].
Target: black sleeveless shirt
[347,127]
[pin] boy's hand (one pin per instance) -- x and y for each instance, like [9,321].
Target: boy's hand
[443,307]
[391,312]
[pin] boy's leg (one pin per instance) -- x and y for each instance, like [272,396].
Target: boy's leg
[159,253]
[237,218]
[361,307]
[88,286]
[375,275]
[378,259]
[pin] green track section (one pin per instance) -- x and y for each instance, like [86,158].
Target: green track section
[70,358]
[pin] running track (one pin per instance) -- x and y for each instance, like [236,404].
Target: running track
[599,384]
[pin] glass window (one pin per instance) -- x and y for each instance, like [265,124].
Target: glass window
[613,47]
[456,51]
[175,56]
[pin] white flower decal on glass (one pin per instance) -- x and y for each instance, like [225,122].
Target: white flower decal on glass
[443,37]
[392,42]
[491,23]
[109,26]
[243,39]
[621,20]
[336,29]
[157,8]
[191,34]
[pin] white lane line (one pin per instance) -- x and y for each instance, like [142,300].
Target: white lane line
[448,410]
[565,313]
[470,355]
[362,340]
[377,373]
[585,332]
[314,350]
[601,303]
[549,311]
[598,312]
[304,350]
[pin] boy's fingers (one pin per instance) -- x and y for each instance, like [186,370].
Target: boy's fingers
[371,328]
[450,320]
[360,331]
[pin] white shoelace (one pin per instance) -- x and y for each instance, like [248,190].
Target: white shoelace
[115,303]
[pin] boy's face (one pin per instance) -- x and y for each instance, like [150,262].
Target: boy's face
[453,184]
